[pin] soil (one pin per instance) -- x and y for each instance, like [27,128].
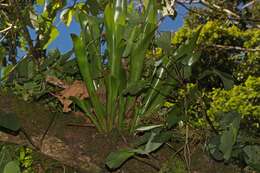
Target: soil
[64,138]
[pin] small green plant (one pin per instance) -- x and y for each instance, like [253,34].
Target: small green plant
[243,98]
[8,159]
[232,144]
[117,89]
[26,160]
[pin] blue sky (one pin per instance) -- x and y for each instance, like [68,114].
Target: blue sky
[63,41]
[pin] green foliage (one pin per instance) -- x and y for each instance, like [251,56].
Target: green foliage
[116,159]
[7,155]
[243,98]
[26,160]
[28,81]
[231,145]
[122,77]
[215,32]
[12,167]
[140,75]
[155,136]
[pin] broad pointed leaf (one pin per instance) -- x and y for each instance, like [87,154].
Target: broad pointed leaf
[116,159]
[12,167]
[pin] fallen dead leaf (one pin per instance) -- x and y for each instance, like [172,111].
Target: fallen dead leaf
[76,89]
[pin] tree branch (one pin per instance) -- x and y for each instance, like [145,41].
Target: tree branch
[236,48]
[6,29]
[26,33]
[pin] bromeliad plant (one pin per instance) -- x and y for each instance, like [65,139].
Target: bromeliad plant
[111,52]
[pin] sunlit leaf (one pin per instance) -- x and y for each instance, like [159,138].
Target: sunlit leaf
[40,2]
[147,128]
[53,35]
[12,167]
[66,16]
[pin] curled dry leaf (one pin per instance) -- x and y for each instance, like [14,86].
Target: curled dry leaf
[55,81]
[76,89]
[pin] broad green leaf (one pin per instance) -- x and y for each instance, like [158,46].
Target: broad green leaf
[116,159]
[226,144]
[229,136]
[115,21]
[226,78]
[53,35]
[12,167]
[146,34]
[84,67]
[9,121]
[156,96]
[152,145]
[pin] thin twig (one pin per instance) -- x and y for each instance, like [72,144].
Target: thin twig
[28,137]
[236,48]
[4,5]
[215,6]
[6,29]
[48,128]
[176,152]
[26,33]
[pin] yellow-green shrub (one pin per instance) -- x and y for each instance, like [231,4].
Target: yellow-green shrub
[244,99]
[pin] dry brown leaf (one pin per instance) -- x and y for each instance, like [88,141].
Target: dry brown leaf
[55,81]
[76,89]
